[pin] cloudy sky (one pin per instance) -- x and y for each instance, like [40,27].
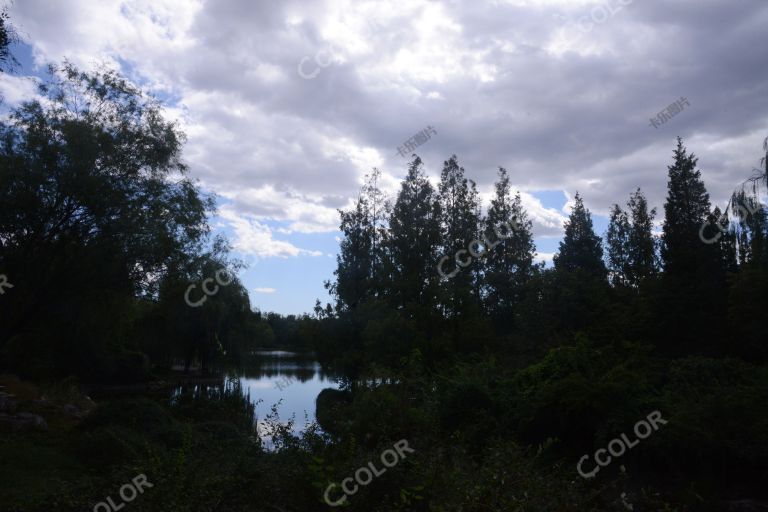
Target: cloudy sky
[288,104]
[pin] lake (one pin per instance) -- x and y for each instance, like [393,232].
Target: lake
[290,380]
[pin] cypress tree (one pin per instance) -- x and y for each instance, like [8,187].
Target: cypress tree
[630,242]
[617,243]
[643,254]
[509,251]
[694,291]
[580,249]
[687,208]
[575,294]
[358,272]
[414,238]
[460,209]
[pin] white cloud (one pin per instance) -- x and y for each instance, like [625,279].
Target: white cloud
[265,290]
[546,221]
[544,257]
[252,237]
[304,213]
[16,89]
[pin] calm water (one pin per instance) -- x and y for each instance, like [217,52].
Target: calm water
[288,379]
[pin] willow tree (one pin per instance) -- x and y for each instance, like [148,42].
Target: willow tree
[97,209]
[751,215]
[7,36]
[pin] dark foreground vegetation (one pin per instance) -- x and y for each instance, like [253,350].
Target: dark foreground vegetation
[501,373]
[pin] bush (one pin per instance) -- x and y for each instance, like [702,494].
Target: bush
[139,414]
[332,410]
[108,447]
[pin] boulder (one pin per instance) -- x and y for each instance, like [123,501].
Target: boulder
[7,403]
[23,421]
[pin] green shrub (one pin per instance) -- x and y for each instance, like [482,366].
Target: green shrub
[138,414]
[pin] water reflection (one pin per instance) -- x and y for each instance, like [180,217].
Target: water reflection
[275,363]
[289,380]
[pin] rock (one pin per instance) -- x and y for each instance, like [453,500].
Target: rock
[36,422]
[23,421]
[7,403]
[43,403]
[73,411]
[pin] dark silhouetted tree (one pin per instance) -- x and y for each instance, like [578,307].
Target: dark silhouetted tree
[694,274]
[96,211]
[355,262]
[509,265]
[7,36]
[632,256]
[687,208]
[580,249]
[413,242]
[460,209]
[617,243]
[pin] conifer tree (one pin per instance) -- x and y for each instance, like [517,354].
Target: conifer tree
[358,272]
[630,242]
[378,212]
[694,278]
[687,208]
[460,225]
[509,251]
[414,238]
[574,292]
[642,243]
[580,249]
[617,243]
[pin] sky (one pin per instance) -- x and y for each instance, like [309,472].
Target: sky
[288,104]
